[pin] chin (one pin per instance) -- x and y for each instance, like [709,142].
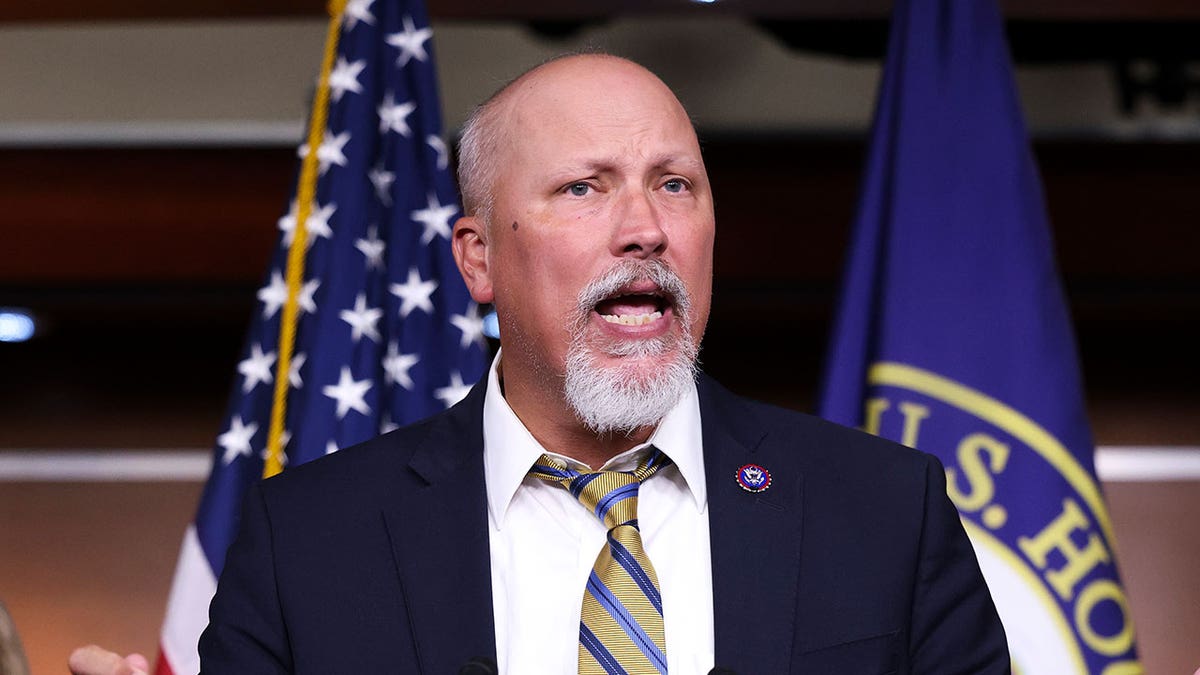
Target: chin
[634,388]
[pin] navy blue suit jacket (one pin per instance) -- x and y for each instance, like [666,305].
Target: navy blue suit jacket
[375,559]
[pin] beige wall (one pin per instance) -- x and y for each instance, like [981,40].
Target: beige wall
[225,80]
[89,562]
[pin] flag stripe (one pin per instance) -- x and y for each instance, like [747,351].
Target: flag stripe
[191,591]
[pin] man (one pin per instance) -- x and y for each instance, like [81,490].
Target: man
[767,542]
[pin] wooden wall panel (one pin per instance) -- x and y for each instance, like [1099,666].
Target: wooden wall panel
[77,216]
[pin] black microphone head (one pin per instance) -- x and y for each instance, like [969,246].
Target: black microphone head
[480,665]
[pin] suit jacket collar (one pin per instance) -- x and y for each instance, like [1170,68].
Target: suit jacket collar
[755,537]
[439,537]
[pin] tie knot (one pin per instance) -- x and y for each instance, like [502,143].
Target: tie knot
[610,495]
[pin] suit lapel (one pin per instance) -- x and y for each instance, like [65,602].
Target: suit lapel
[755,537]
[439,537]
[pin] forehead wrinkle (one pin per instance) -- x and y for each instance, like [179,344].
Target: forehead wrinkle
[542,107]
[659,162]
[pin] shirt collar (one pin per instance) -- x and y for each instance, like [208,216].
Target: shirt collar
[509,449]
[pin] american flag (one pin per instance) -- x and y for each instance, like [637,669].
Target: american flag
[384,330]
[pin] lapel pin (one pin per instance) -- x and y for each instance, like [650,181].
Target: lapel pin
[753,478]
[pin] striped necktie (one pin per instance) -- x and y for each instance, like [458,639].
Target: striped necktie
[621,626]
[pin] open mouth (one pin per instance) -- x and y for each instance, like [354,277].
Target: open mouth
[633,307]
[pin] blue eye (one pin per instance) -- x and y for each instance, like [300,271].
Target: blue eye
[579,189]
[674,186]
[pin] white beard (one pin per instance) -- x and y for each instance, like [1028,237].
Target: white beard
[639,390]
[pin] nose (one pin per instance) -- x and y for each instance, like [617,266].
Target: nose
[639,229]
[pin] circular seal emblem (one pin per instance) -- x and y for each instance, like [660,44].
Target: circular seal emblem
[1063,608]
[753,478]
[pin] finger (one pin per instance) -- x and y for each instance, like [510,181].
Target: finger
[139,663]
[93,660]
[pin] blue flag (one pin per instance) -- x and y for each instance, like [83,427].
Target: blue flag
[383,330]
[953,337]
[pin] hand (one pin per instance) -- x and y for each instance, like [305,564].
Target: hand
[93,660]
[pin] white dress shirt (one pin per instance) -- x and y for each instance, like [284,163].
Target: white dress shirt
[544,542]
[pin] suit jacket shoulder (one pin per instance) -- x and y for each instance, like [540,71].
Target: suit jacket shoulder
[851,560]
[373,558]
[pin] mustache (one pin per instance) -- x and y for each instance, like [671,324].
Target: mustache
[623,273]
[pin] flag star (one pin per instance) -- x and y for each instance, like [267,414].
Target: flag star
[349,393]
[358,10]
[344,78]
[394,116]
[315,225]
[382,180]
[362,319]
[471,325]
[273,295]
[435,218]
[329,151]
[411,42]
[397,365]
[453,392]
[305,300]
[414,293]
[439,146]
[256,368]
[294,378]
[236,440]
[283,441]
[330,447]
[372,247]
[287,223]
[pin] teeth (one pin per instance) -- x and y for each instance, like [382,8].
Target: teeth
[632,319]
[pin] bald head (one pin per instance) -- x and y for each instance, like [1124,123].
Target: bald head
[589,226]
[555,86]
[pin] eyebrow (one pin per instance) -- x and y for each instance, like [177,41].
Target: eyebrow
[607,165]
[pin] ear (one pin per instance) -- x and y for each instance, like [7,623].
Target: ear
[470,245]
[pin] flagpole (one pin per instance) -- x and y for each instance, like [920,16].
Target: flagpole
[305,195]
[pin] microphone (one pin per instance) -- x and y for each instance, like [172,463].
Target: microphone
[721,671]
[480,665]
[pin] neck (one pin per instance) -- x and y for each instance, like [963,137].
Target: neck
[550,420]
[593,449]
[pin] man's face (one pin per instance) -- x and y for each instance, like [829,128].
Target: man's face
[599,169]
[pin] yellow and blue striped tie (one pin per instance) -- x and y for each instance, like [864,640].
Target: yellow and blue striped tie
[621,627]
